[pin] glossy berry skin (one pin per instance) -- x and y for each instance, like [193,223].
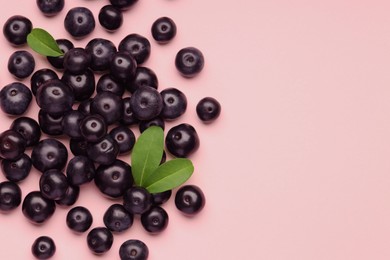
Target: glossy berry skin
[21,64]
[137,45]
[108,105]
[146,103]
[158,121]
[128,117]
[144,76]
[78,146]
[114,179]
[155,220]
[85,106]
[71,196]
[55,97]
[77,60]
[16,170]
[107,83]
[79,219]
[37,208]
[164,30]
[50,7]
[123,66]
[71,123]
[80,170]
[93,128]
[12,145]
[182,140]
[50,124]
[174,103]
[16,29]
[124,137]
[117,218]
[123,4]
[28,128]
[161,197]
[49,154]
[137,200]
[208,109]
[39,77]
[10,196]
[79,22]
[82,84]
[58,62]
[133,249]
[43,247]
[110,18]
[101,51]
[100,240]
[53,184]
[189,62]
[15,98]
[189,199]
[103,152]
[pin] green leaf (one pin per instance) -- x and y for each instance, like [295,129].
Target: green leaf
[147,153]
[43,43]
[169,175]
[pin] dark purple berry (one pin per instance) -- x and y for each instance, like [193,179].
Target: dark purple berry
[28,128]
[16,170]
[82,84]
[80,170]
[133,249]
[123,66]
[50,124]
[39,77]
[163,30]
[16,29]
[103,152]
[100,240]
[175,103]
[190,199]
[137,200]
[146,103]
[43,247]
[71,123]
[58,62]
[93,128]
[158,121]
[155,220]
[123,4]
[37,208]
[79,219]
[110,18]
[10,196]
[71,196]
[15,98]
[79,22]
[21,64]
[53,184]
[145,77]
[208,109]
[124,137]
[107,83]
[161,197]
[50,7]
[117,218]
[101,51]
[78,146]
[128,117]
[49,154]
[108,105]
[12,145]
[137,45]
[182,140]
[85,106]
[189,62]
[77,60]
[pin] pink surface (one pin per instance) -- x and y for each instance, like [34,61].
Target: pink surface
[296,168]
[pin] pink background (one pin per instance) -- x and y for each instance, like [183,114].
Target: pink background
[296,168]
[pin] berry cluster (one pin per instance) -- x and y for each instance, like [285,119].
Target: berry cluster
[96,117]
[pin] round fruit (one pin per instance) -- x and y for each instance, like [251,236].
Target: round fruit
[107,83]
[21,64]
[50,7]
[174,103]
[71,196]
[49,154]
[39,77]
[158,121]
[108,105]
[53,184]
[208,109]
[79,219]
[163,29]
[124,137]
[182,140]
[16,170]
[12,145]
[128,117]
[110,17]
[189,62]
[77,60]
[93,128]
[161,197]
[146,103]
[123,66]
[101,51]
[100,240]
[43,247]
[82,84]
[79,22]
[58,62]
[50,124]
[103,152]
[137,45]
[190,199]
[137,200]
[28,128]
[80,170]
[133,249]
[15,98]
[71,123]
[117,218]
[16,29]
[144,76]
[155,220]
[10,196]
[123,4]
[37,208]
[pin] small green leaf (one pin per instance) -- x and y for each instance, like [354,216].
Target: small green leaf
[147,153]
[169,175]
[43,43]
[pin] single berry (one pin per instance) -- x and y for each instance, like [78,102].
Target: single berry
[137,200]
[28,128]
[49,154]
[85,106]
[79,22]
[78,146]
[53,184]
[189,62]
[16,170]
[128,117]
[100,240]
[16,29]
[123,66]
[21,64]
[103,152]
[71,196]
[58,62]
[12,145]
[15,98]
[117,218]
[71,123]
[37,208]
[39,77]
[82,84]
[101,51]
[110,18]
[108,105]
[137,45]
[157,121]
[208,109]
[155,220]
[133,249]
[10,196]
[123,4]
[77,60]
[182,140]
[50,7]
[80,170]
[145,77]
[124,137]
[163,29]
[79,219]
[190,199]
[50,124]
[174,103]
[161,197]
[93,128]
[107,82]
[43,247]
[146,103]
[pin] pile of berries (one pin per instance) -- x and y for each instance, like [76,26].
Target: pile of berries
[96,116]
